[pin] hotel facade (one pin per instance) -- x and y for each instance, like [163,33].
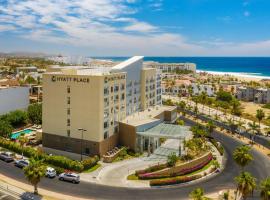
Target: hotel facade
[96,99]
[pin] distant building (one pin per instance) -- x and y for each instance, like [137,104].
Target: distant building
[26,70]
[13,98]
[257,95]
[197,89]
[170,67]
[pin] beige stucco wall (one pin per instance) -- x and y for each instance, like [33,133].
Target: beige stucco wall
[147,74]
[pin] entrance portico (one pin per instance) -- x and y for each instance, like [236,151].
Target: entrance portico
[150,139]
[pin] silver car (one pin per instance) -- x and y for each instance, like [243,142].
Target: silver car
[71,177]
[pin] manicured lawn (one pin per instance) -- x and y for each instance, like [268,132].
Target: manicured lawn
[95,167]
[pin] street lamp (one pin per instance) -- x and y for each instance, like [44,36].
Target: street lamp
[82,130]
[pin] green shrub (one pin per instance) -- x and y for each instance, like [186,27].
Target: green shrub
[58,161]
[90,162]
[219,147]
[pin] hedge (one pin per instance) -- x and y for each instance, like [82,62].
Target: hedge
[151,169]
[175,180]
[57,161]
[179,173]
[219,147]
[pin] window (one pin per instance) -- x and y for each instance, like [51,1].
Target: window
[106,135]
[87,151]
[68,89]
[105,124]
[68,100]
[68,133]
[68,122]
[68,111]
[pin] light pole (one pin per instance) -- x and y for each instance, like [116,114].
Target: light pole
[82,130]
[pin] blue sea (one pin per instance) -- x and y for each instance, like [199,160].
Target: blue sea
[245,66]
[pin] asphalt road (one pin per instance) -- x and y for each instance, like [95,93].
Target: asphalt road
[259,168]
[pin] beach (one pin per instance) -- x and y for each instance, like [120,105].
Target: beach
[240,76]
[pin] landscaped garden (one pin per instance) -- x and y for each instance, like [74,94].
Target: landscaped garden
[196,163]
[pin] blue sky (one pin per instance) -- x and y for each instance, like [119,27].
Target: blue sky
[136,27]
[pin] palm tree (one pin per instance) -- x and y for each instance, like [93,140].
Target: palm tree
[210,127]
[246,184]
[260,115]
[265,189]
[198,194]
[253,127]
[242,156]
[34,172]
[203,98]
[22,140]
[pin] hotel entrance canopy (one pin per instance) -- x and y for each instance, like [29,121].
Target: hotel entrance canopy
[168,131]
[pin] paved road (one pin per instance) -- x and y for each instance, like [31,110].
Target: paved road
[259,168]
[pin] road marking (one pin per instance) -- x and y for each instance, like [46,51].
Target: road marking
[2,197]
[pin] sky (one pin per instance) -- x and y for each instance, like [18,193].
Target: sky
[136,27]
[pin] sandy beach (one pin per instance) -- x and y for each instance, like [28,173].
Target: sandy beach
[240,76]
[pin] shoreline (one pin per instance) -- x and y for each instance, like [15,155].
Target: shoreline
[239,75]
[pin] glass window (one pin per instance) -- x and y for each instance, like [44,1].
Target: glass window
[68,111]
[68,122]
[68,89]
[68,133]
[68,100]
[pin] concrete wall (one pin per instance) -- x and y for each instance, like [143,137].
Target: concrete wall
[13,98]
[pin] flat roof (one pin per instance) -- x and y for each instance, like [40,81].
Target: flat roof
[146,116]
[171,131]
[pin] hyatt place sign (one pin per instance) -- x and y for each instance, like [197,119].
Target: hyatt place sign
[70,79]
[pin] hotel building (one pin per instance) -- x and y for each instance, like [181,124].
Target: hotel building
[96,99]
[170,67]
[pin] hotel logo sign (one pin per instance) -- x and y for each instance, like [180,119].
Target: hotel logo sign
[70,79]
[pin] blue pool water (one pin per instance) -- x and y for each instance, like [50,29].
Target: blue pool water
[17,134]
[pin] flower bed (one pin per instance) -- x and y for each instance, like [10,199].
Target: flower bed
[186,170]
[174,180]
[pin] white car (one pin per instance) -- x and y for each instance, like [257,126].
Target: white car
[71,177]
[50,172]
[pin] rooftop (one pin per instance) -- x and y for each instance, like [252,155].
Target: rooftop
[171,131]
[127,62]
[147,116]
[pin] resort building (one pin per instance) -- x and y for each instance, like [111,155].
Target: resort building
[25,70]
[172,67]
[95,100]
[13,98]
[197,89]
[257,95]
[175,87]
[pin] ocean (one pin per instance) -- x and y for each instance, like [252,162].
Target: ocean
[241,66]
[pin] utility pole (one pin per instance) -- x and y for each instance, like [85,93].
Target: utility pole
[82,131]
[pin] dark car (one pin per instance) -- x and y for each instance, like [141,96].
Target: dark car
[21,163]
[6,156]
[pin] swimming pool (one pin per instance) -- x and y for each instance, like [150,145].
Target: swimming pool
[17,134]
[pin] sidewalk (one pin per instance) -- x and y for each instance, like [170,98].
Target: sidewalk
[19,190]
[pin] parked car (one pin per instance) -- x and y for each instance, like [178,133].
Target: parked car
[72,177]
[50,172]
[22,163]
[6,156]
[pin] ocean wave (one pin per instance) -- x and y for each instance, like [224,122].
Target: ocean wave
[239,74]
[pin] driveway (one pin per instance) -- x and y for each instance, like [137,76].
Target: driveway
[115,174]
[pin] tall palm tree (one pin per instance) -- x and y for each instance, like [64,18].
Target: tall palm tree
[203,98]
[34,172]
[22,140]
[242,156]
[265,189]
[198,194]
[210,127]
[246,184]
[260,115]
[253,127]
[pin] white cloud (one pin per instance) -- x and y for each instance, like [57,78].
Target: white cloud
[141,27]
[7,28]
